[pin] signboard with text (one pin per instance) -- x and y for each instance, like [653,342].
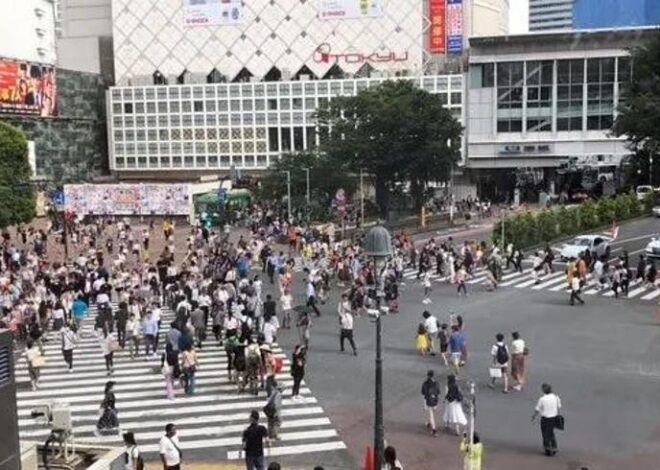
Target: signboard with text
[27,88]
[344,9]
[212,12]
[437,30]
[455,26]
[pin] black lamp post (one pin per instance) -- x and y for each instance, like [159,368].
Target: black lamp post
[378,245]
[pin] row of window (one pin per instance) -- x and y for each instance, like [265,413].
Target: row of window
[245,105]
[346,87]
[189,161]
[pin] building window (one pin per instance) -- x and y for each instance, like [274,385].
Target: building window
[128,108]
[600,93]
[482,75]
[509,96]
[624,76]
[570,79]
[538,78]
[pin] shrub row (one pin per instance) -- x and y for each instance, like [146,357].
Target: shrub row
[530,229]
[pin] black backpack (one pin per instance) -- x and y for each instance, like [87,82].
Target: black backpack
[502,354]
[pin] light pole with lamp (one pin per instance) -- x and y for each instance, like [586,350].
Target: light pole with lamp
[288,194]
[378,245]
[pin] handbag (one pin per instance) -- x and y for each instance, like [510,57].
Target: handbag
[39,362]
[495,372]
[115,346]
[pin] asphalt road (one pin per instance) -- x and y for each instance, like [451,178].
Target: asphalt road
[601,358]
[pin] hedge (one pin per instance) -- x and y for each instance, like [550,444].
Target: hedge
[530,229]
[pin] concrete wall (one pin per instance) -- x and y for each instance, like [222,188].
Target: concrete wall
[73,146]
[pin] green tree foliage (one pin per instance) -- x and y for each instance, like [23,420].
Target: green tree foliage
[326,177]
[527,230]
[17,199]
[396,132]
[639,110]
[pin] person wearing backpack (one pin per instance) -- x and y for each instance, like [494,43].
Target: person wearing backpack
[273,410]
[500,355]
[431,394]
[132,458]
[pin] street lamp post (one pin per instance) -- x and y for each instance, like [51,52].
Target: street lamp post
[288,194]
[378,245]
[307,195]
[362,198]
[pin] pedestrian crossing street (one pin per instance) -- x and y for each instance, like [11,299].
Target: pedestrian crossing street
[214,418]
[553,282]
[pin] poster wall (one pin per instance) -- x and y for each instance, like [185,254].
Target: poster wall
[212,12]
[455,26]
[127,199]
[27,88]
[345,9]
[437,30]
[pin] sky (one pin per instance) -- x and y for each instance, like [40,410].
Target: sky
[518,16]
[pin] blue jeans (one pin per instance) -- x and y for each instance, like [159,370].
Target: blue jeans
[190,382]
[255,463]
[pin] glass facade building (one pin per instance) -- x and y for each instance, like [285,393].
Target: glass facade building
[545,15]
[590,14]
[540,96]
[210,127]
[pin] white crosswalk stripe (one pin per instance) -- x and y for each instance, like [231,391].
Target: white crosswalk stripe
[213,418]
[552,282]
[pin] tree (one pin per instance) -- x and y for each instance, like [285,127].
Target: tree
[17,198]
[396,132]
[326,177]
[639,109]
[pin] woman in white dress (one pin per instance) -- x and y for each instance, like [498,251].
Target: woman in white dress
[454,415]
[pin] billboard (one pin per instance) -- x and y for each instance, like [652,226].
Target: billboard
[344,9]
[437,30]
[127,199]
[455,26]
[212,12]
[27,88]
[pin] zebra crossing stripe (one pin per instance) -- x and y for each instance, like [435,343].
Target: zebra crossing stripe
[528,283]
[636,292]
[652,295]
[290,450]
[511,279]
[554,278]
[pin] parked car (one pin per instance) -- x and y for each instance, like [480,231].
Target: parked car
[656,211]
[598,245]
[643,191]
[653,248]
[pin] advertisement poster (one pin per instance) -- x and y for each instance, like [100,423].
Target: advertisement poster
[455,26]
[437,30]
[212,12]
[128,199]
[346,9]
[27,88]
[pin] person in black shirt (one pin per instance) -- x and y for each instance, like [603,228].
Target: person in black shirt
[254,437]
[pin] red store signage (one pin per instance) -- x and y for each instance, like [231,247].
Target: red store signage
[438,28]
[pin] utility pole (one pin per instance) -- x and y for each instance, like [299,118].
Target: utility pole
[379,431]
[472,410]
[362,198]
[307,195]
[503,215]
[288,194]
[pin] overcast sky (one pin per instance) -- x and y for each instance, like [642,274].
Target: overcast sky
[518,16]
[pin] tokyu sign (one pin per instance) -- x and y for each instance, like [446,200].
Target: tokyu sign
[324,54]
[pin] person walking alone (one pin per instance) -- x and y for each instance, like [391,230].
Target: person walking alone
[576,287]
[298,360]
[454,415]
[431,394]
[273,410]
[519,354]
[169,449]
[254,438]
[346,325]
[548,408]
[69,342]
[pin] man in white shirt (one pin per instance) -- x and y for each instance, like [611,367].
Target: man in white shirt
[170,452]
[346,325]
[548,407]
[431,327]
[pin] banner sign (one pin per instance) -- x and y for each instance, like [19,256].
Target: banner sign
[127,199]
[455,26]
[344,9]
[27,88]
[438,30]
[212,12]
